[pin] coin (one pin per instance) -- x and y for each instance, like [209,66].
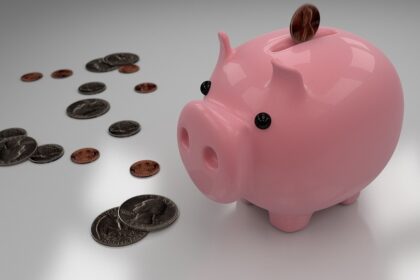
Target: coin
[98,65]
[16,149]
[12,132]
[145,87]
[92,88]
[144,168]
[124,128]
[62,73]
[108,230]
[47,153]
[85,155]
[148,212]
[304,23]
[88,108]
[118,59]
[128,69]
[31,77]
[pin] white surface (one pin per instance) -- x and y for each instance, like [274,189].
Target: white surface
[46,210]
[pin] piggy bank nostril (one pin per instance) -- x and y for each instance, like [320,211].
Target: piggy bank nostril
[210,158]
[185,138]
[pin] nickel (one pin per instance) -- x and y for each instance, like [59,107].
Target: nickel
[88,108]
[17,149]
[144,168]
[85,155]
[12,132]
[118,59]
[108,230]
[47,153]
[99,66]
[92,88]
[124,128]
[304,23]
[148,212]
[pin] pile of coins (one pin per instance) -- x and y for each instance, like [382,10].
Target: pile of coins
[17,147]
[133,220]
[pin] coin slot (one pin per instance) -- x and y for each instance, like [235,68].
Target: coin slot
[185,138]
[288,42]
[210,158]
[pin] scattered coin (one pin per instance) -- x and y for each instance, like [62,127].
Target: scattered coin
[128,69]
[124,128]
[16,149]
[88,108]
[47,153]
[62,73]
[12,132]
[119,59]
[145,88]
[108,230]
[144,168]
[99,66]
[92,88]
[31,77]
[148,212]
[304,23]
[85,155]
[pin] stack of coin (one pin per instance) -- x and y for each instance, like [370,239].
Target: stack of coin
[125,62]
[16,147]
[133,220]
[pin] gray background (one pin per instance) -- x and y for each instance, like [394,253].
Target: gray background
[46,210]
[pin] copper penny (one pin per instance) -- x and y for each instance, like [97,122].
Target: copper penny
[128,69]
[31,77]
[61,74]
[146,88]
[85,155]
[144,168]
[304,23]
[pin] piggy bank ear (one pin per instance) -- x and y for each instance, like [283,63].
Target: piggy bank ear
[286,80]
[226,50]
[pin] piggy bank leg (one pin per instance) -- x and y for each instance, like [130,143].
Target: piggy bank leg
[289,223]
[351,199]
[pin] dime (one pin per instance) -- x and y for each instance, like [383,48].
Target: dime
[85,155]
[62,73]
[47,153]
[304,23]
[31,77]
[118,59]
[148,212]
[16,149]
[144,168]
[99,66]
[128,69]
[88,108]
[12,132]
[108,230]
[145,87]
[92,88]
[124,128]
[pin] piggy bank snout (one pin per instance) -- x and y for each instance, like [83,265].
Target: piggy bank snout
[208,143]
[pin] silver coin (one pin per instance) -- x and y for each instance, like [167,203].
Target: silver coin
[16,149]
[92,88]
[99,66]
[47,153]
[12,132]
[119,59]
[148,212]
[108,230]
[124,128]
[88,108]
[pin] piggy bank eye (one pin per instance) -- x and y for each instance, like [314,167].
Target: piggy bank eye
[205,87]
[263,120]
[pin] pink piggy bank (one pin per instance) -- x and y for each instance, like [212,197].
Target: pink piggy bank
[293,128]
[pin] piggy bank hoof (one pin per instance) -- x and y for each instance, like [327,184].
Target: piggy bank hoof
[289,223]
[351,199]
